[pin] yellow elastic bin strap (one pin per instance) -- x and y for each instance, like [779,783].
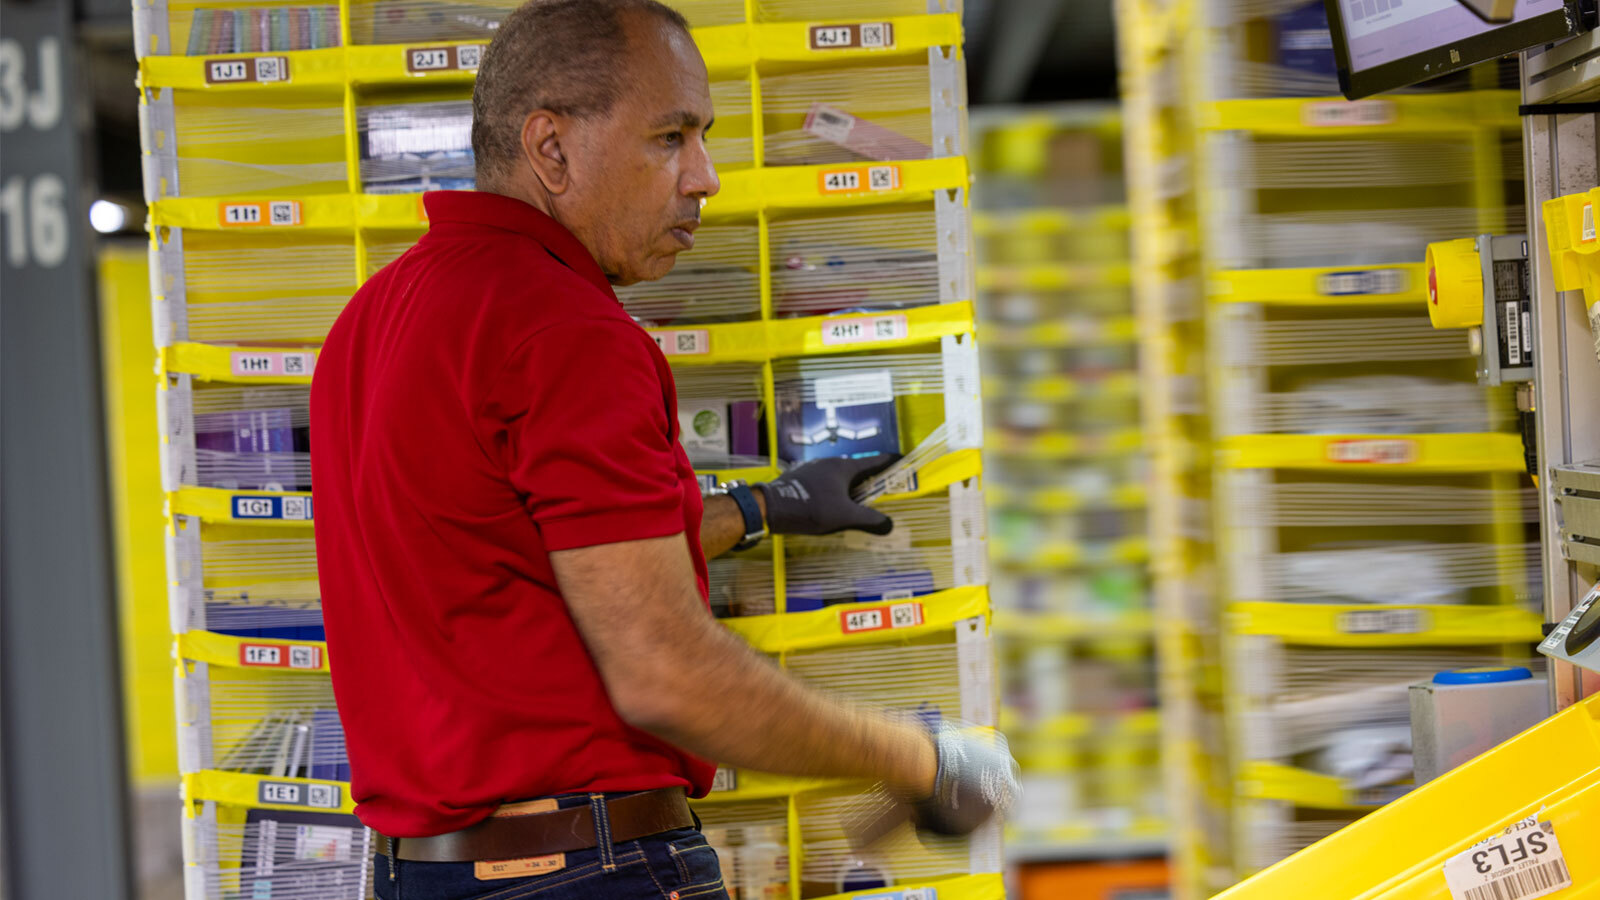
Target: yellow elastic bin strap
[1455,284]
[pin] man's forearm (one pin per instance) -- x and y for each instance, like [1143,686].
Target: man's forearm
[722,526]
[740,709]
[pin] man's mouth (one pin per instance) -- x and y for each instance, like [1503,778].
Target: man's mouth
[683,232]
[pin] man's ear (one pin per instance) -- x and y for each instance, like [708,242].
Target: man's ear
[541,148]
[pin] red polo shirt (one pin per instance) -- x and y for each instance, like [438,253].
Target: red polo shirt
[483,401]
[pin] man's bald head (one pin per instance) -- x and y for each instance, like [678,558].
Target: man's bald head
[566,56]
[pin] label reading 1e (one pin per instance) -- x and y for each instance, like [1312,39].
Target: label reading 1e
[289,793]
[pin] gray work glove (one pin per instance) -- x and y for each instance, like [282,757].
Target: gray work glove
[814,497]
[976,779]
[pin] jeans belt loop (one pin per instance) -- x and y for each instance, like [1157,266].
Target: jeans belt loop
[602,832]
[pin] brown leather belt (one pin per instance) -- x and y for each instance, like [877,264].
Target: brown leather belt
[556,831]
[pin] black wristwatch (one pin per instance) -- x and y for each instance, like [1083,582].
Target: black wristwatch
[755,528]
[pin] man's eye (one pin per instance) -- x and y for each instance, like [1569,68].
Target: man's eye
[673,139]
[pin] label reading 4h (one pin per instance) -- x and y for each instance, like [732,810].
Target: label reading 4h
[1523,862]
[880,618]
[867,329]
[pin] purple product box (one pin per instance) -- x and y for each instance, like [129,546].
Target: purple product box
[744,428]
[240,449]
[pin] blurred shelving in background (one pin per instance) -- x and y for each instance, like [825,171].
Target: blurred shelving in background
[1067,492]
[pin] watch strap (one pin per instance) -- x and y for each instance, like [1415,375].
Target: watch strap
[754,528]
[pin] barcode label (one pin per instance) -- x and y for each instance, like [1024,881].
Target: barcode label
[1347,114]
[1588,221]
[1521,863]
[280,656]
[1363,282]
[1513,335]
[244,215]
[1380,452]
[683,343]
[464,58]
[860,178]
[864,330]
[724,780]
[1383,621]
[880,618]
[261,69]
[865,36]
[248,363]
[1535,882]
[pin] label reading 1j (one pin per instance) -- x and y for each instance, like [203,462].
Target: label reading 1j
[291,793]
[1522,863]
[262,69]
[1512,293]
[289,509]
[866,36]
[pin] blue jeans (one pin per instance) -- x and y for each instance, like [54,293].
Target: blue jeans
[673,865]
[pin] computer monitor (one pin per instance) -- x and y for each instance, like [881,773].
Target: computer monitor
[1385,44]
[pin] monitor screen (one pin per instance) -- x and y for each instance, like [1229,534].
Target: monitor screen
[1385,44]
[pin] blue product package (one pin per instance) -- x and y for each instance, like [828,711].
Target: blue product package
[892,585]
[852,416]
[329,760]
[1304,41]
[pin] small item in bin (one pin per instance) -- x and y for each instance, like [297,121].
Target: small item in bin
[862,137]
[850,415]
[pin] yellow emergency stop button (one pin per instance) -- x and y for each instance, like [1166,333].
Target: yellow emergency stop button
[1455,284]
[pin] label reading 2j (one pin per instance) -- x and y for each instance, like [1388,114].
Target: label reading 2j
[866,329]
[865,36]
[289,509]
[1522,863]
[462,58]
[261,69]
[880,618]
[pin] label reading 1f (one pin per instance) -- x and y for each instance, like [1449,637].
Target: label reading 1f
[280,656]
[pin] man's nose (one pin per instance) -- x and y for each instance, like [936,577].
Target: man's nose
[700,176]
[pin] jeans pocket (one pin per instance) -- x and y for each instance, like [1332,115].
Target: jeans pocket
[699,871]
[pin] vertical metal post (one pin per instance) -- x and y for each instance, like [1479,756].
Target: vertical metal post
[64,786]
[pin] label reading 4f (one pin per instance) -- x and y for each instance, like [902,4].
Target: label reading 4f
[880,618]
[261,69]
[291,793]
[1523,863]
[289,509]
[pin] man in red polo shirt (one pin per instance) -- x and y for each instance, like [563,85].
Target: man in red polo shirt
[511,541]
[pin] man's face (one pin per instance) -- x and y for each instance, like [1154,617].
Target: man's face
[640,173]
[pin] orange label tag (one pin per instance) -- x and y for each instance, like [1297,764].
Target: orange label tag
[527,808]
[269,213]
[858,179]
[493,869]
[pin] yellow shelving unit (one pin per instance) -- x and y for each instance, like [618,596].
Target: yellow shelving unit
[1308,429]
[257,242]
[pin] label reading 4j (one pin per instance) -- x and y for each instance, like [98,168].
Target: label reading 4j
[1523,863]
[866,36]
